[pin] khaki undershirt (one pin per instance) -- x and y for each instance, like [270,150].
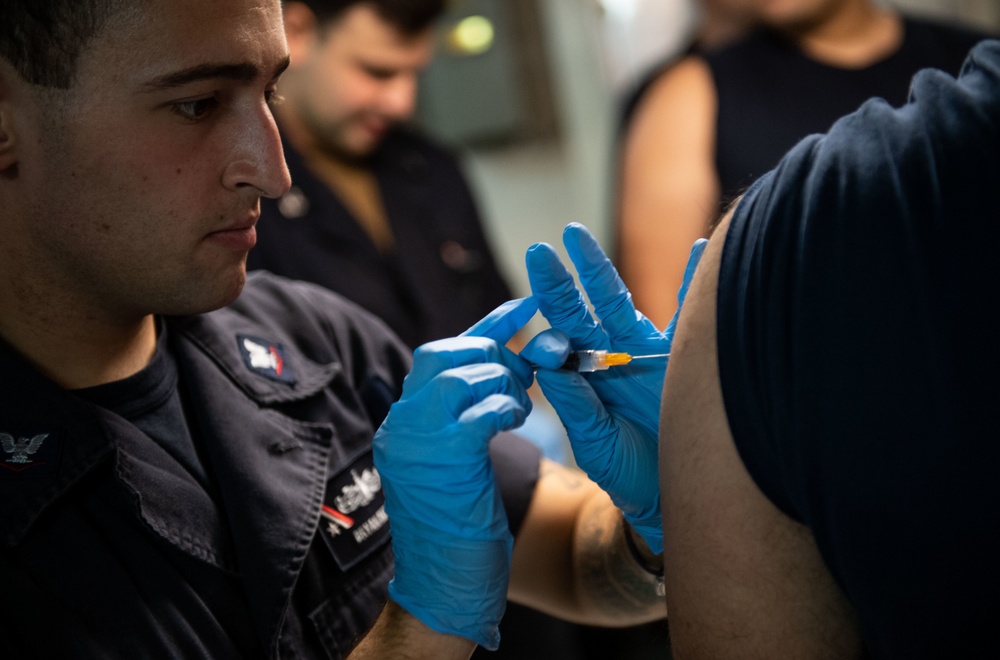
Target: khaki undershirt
[357,188]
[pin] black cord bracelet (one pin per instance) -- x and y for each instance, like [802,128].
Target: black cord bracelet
[636,555]
[657,573]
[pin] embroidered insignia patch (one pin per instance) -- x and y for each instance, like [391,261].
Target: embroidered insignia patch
[353,519]
[28,455]
[265,358]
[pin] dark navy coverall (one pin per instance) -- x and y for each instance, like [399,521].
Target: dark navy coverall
[110,549]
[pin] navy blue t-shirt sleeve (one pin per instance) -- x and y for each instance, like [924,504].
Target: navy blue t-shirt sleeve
[858,357]
[854,280]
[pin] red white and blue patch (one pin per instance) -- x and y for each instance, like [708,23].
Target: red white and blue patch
[29,455]
[353,520]
[265,358]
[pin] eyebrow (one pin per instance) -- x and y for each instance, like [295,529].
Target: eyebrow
[240,71]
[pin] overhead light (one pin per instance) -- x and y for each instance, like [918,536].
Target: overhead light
[472,35]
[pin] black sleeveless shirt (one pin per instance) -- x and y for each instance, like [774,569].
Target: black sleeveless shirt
[771,95]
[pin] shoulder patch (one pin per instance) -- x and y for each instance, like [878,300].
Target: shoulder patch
[29,455]
[265,358]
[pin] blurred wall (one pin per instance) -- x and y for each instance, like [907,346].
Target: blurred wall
[529,191]
[985,13]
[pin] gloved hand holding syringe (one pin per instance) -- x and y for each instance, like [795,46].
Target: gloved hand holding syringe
[611,415]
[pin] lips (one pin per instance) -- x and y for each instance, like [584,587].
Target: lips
[375,127]
[240,236]
[249,223]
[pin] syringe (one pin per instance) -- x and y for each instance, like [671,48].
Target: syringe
[597,360]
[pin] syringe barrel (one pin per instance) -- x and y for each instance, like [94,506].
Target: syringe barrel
[586,361]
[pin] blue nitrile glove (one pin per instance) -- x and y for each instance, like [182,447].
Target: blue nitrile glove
[449,530]
[612,417]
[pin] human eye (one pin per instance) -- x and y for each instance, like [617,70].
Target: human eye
[273,98]
[379,73]
[194,110]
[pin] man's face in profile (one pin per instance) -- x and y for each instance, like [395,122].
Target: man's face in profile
[146,180]
[353,79]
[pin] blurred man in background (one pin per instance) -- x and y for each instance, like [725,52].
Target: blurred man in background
[377,212]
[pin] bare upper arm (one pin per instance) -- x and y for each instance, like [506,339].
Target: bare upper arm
[743,580]
[669,188]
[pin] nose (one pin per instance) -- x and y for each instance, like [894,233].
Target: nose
[399,97]
[259,160]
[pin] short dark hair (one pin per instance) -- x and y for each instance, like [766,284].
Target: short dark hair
[408,16]
[43,39]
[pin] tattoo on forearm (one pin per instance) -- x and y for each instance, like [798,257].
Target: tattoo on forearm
[614,580]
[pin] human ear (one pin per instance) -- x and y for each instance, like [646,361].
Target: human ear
[301,30]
